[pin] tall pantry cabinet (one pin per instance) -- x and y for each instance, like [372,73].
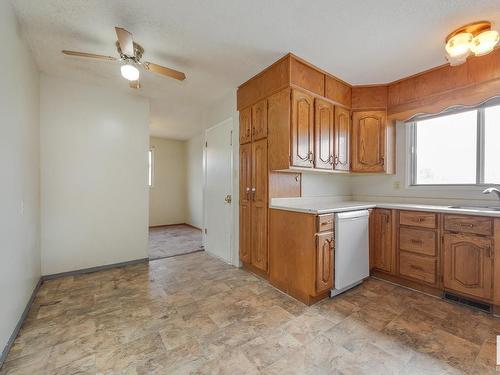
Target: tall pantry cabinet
[254,187]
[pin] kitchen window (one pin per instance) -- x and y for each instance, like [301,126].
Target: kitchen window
[456,148]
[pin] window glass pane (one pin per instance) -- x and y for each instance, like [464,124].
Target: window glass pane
[492,145]
[446,149]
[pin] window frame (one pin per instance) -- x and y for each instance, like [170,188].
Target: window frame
[480,145]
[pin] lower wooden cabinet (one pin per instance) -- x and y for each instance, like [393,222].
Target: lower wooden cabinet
[382,249]
[300,256]
[468,264]
[324,262]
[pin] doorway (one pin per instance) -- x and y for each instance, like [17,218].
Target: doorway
[218,190]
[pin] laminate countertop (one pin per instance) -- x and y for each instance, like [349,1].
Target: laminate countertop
[325,205]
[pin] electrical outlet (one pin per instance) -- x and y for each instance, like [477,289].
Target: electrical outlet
[397,185]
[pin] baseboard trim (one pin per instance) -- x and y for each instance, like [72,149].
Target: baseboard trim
[93,269]
[19,324]
[173,225]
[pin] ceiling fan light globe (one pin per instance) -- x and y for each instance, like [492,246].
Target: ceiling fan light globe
[459,46]
[129,72]
[484,42]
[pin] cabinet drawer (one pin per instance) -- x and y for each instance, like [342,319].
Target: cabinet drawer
[469,224]
[325,223]
[417,267]
[418,219]
[418,240]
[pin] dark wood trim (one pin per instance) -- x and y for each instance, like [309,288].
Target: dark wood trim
[19,324]
[407,283]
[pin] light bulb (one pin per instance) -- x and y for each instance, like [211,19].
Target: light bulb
[130,72]
[484,43]
[459,45]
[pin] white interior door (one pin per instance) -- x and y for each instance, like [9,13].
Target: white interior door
[218,166]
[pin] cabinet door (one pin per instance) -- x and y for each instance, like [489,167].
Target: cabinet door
[259,204]
[381,240]
[342,133]
[245,202]
[302,135]
[324,262]
[245,125]
[468,264]
[323,134]
[368,141]
[259,120]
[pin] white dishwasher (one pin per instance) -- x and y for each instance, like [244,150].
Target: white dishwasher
[351,250]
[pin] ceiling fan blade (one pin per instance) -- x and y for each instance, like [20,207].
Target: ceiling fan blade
[165,71]
[126,41]
[90,55]
[135,84]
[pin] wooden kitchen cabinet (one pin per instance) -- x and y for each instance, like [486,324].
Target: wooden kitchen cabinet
[468,264]
[302,130]
[246,125]
[253,204]
[368,141]
[382,250]
[259,120]
[323,134]
[342,131]
[259,204]
[245,201]
[324,262]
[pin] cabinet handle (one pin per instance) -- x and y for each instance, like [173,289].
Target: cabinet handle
[253,193]
[253,131]
[416,267]
[382,160]
[248,132]
[417,242]
[310,156]
[467,225]
[331,160]
[247,193]
[488,250]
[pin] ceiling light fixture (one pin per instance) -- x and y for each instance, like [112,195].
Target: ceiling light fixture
[475,38]
[130,72]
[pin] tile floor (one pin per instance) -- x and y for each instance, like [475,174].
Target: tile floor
[195,314]
[173,240]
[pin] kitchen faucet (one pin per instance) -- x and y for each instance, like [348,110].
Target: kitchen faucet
[492,190]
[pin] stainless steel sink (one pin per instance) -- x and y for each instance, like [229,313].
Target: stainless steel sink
[478,208]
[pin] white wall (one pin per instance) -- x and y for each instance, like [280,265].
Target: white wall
[94,191]
[316,184]
[395,187]
[167,196]
[19,175]
[194,184]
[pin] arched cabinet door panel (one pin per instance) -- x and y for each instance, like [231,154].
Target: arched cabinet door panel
[323,134]
[259,205]
[368,141]
[468,264]
[245,202]
[302,130]
[341,139]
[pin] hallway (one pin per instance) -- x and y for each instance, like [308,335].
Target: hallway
[172,240]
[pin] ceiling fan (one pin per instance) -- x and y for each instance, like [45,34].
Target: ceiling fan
[130,56]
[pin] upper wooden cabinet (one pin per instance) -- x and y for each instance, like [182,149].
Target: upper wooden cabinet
[324,134]
[246,125]
[302,130]
[468,264]
[342,131]
[368,141]
[259,120]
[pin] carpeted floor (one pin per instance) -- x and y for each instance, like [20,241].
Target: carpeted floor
[173,240]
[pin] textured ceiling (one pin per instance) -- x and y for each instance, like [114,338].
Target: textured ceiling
[221,43]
